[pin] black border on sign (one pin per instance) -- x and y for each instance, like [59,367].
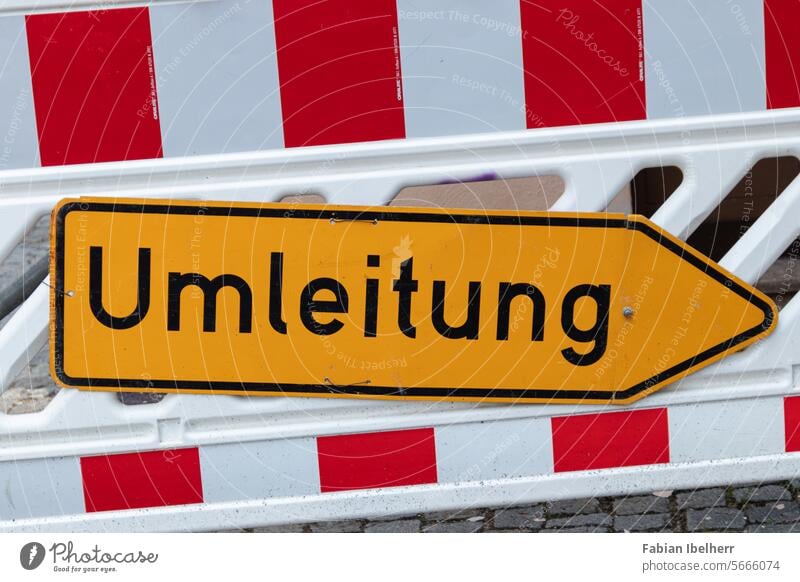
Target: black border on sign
[390,216]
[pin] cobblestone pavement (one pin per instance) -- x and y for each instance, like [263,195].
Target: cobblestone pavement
[760,508]
[767,507]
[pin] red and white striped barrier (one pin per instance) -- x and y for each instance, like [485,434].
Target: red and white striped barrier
[279,460]
[531,453]
[242,76]
[183,78]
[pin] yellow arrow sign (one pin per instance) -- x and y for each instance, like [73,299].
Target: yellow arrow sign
[342,301]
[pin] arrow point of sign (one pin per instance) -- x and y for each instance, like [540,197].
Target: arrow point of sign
[697,311]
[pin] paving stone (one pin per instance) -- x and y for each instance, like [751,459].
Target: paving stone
[570,507]
[644,504]
[35,382]
[585,529]
[393,517]
[454,527]
[649,522]
[592,519]
[17,400]
[779,512]
[714,519]
[137,399]
[532,517]
[701,498]
[337,527]
[398,526]
[454,514]
[774,528]
[32,389]
[290,528]
[761,493]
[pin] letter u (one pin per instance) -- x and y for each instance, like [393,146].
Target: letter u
[96,291]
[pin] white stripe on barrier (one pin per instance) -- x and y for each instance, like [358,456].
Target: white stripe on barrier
[19,144]
[462,67]
[217,77]
[724,430]
[704,58]
[40,488]
[499,449]
[275,468]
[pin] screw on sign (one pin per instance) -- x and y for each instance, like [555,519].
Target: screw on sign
[236,298]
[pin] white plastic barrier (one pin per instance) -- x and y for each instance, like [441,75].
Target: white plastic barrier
[204,462]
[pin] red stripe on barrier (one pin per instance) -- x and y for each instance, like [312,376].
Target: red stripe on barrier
[135,480]
[791,422]
[782,37]
[339,68]
[614,439]
[583,64]
[93,86]
[381,459]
